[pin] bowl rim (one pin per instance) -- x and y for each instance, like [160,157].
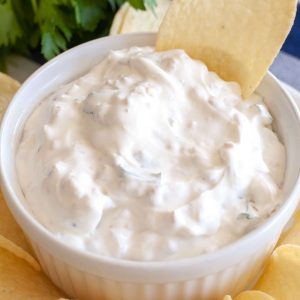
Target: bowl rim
[41,233]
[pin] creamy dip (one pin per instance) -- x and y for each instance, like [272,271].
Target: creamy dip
[149,156]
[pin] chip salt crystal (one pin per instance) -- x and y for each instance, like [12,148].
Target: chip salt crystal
[237,39]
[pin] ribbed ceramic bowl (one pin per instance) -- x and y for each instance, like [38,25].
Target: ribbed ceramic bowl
[87,276]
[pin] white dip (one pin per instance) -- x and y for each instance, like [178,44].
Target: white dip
[150,157]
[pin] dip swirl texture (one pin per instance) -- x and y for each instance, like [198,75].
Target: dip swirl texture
[149,156]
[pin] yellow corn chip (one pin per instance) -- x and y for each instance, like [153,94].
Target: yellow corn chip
[281,277]
[20,276]
[8,88]
[9,227]
[18,280]
[253,295]
[237,39]
[145,21]
[129,19]
[119,19]
[292,233]
[19,252]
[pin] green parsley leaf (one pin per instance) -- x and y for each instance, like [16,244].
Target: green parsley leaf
[52,26]
[151,4]
[140,4]
[52,41]
[10,29]
[25,16]
[88,13]
[55,26]
[116,3]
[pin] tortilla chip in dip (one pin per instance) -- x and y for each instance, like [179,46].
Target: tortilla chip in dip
[237,39]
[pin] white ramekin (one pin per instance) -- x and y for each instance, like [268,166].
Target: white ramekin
[87,276]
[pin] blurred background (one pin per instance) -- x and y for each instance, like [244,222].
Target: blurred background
[287,64]
[33,31]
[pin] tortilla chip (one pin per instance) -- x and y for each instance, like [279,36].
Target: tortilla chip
[236,39]
[253,295]
[19,252]
[10,229]
[281,277]
[119,19]
[145,21]
[129,19]
[8,88]
[18,280]
[8,226]
[292,233]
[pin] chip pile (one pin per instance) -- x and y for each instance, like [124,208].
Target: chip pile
[20,274]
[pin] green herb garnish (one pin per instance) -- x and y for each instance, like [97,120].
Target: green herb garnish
[52,26]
